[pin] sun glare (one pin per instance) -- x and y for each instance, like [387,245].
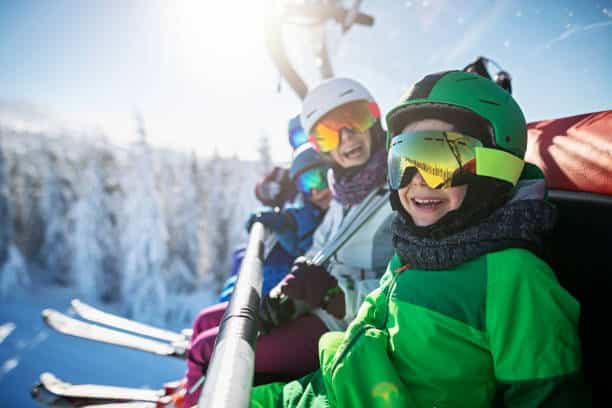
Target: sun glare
[212,37]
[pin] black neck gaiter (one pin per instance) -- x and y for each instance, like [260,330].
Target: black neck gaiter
[518,224]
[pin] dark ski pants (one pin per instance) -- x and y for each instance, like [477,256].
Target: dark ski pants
[288,351]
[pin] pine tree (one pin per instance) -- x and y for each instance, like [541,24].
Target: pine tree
[13,270]
[143,239]
[265,156]
[6,225]
[93,238]
[183,213]
[56,197]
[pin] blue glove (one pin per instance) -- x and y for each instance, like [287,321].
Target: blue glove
[275,220]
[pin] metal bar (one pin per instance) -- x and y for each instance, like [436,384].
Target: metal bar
[230,374]
[368,207]
[276,50]
[580,197]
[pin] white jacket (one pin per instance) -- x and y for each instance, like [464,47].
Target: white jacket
[360,262]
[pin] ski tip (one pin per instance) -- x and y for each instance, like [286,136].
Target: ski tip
[47,377]
[50,314]
[47,312]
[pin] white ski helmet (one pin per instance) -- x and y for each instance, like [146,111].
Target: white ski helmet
[327,96]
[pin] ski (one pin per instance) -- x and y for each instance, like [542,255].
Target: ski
[93,314]
[53,392]
[123,405]
[136,404]
[78,328]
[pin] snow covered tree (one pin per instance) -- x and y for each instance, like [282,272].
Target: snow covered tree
[265,156]
[56,197]
[201,196]
[143,239]
[92,238]
[25,165]
[6,224]
[183,213]
[13,271]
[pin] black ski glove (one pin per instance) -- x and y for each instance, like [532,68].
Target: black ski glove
[313,285]
[275,312]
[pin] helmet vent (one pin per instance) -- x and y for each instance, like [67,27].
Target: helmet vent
[308,115]
[467,79]
[347,92]
[489,102]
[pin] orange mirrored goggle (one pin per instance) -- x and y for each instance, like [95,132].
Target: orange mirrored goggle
[357,116]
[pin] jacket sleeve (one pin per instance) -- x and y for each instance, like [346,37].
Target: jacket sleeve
[532,324]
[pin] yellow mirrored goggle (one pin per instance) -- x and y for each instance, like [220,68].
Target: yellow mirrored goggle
[440,156]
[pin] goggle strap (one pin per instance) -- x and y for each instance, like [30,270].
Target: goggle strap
[498,164]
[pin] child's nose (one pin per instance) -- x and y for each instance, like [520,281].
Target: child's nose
[417,179]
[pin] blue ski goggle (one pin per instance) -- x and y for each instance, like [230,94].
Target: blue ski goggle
[313,179]
[297,136]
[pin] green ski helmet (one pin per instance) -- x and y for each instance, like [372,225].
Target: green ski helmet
[480,107]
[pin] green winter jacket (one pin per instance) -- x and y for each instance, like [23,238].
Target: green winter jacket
[463,337]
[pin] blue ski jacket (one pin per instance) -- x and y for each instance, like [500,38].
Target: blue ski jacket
[294,236]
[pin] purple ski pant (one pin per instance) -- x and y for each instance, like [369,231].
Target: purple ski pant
[290,350]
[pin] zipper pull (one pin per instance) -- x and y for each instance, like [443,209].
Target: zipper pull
[197,385]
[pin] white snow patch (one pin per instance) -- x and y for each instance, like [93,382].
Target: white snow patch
[5,330]
[9,365]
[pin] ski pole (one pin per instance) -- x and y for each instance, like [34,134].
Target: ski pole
[232,365]
[370,205]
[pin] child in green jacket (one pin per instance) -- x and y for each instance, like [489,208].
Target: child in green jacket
[468,313]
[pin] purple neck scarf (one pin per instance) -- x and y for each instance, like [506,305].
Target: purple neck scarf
[353,189]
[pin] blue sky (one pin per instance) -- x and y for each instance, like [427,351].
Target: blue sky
[200,75]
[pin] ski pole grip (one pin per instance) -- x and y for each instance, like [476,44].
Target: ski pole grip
[230,373]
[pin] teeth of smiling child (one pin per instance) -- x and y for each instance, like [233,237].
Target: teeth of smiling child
[419,201]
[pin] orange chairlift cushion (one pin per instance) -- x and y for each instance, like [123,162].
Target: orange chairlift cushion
[575,153]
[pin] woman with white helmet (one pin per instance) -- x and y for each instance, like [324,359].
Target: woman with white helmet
[342,121]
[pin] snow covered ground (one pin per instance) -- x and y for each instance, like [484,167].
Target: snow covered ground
[28,348]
